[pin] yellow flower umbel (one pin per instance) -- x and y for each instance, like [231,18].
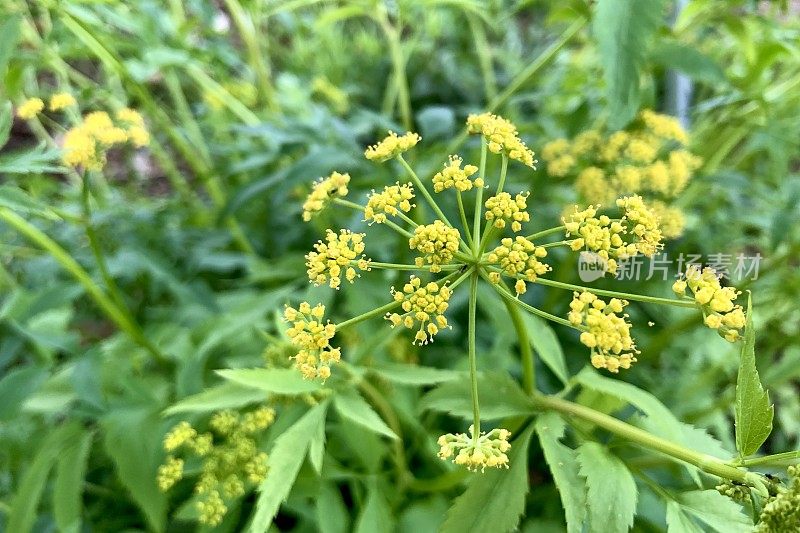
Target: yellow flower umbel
[503,208]
[476,451]
[438,242]
[393,200]
[133,123]
[648,158]
[30,108]
[423,308]
[392,146]
[607,332]
[231,460]
[86,144]
[340,253]
[323,192]
[717,303]
[502,137]
[518,258]
[61,101]
[312,338]
[453,176]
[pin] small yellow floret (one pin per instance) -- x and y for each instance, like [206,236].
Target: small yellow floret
[61,101]
[30,108]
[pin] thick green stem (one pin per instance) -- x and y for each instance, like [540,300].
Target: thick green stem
[706,463]
[525,350]
[473,358]
[107,305]
[476,229]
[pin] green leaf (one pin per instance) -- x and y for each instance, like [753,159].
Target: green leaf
[623,29]
[753,411]
[495,499]
[715,511]
[69,481]
[18,200]
[611,489]
[376,516]
[9,34]
[133,439]
[6,120]
[564,466]
[689,60]
[225,396]
[499,394]
[276,380]
[353,407]
[32,161]
[316,451]
[669,427]
[285,460]
[16,386]
[22,513]
[414,375]
[330,510]
[545,342]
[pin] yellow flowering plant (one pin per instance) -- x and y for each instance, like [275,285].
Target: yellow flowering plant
[650,158]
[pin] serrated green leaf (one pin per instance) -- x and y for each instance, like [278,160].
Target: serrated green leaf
[225,396]
[275,380]
[499,394]
[69,482]
[414,375]
[16,386]
[354,408]
[564,467]
[285,459]
[32,161]
[495,499]
[623,29]
[689,60]
[668,427]
[611,490]
[715,511]
[545,342]
[754,413]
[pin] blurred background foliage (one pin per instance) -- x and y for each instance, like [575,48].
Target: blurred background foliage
[249,101]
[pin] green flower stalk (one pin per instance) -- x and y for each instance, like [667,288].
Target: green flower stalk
[493,250]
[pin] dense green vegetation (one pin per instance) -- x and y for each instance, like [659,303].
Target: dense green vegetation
[153,236]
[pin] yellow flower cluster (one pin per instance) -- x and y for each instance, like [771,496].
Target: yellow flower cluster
[717,302]
[501,136]
[503,207]
[423,307]
[230,459]
[607,333]
[518,257]
[649,159]
[642,223]
[323,191]
[392,146]
[671,220]
[30,108]
[391,201]
[453,176]
[86,144]
[61,101]
[487,450]
[437,242]
[312,338]
[340,253]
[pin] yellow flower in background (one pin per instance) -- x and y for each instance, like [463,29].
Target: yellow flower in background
[61,101]
[86,144]
[30,108]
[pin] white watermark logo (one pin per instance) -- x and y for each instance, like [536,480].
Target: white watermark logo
[591,266]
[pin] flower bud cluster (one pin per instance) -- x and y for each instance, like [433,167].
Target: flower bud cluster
[423,308]
[392,146]
[453,176]
[781,513]
[391,201]
[339,253]
[503,208]
[323,191]
[518,257]
[607,330]
[476,451]
[717,302]
[502,137]
[436,242]
[231,461]
[312,338]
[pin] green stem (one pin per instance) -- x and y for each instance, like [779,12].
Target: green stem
[378,311]
[69,264]
[545,233]
[398,65]
[707,463]
[525,350]
[777,459]
[615,294]
[476,229]
[504,292]
[463,215]
[484,53]
[423,190]
[503,171]
[398,266]
[473,358]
